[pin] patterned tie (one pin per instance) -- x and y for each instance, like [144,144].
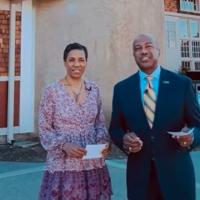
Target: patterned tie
[149,101]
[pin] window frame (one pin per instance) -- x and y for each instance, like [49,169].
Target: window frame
[191,58]
[189,6]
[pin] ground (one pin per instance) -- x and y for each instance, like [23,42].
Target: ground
[35,153]
[19,154]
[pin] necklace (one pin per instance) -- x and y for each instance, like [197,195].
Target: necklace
[75,94]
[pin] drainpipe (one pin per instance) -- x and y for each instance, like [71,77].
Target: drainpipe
[11,75]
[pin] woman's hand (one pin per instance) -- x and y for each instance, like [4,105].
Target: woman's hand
[74,150]
[106,151]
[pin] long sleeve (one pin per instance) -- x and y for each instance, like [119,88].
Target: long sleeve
[100,126]
[192,113]
[117,125]
[50,139]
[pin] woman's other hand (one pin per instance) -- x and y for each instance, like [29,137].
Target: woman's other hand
[106,151]
[74,150]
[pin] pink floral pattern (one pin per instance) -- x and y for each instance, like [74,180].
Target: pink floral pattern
[85,185]
[61,120]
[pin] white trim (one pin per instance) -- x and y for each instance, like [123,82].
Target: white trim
[3,131]
[5,78]
[176,60]
[11,74]
[182,15]
[27,68]
[190,4]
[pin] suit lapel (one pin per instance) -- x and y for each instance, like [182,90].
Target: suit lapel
[136,106]
[164,86]
[135,100]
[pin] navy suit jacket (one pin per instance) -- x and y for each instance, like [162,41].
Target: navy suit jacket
[176,107]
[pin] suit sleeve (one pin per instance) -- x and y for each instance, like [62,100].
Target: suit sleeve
[192,113]
[100,125]
[117,125]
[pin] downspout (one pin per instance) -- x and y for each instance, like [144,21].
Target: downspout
[11,75]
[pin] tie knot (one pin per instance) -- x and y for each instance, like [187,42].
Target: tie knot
[149,78]
[149,83]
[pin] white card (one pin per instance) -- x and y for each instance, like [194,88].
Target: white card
[180,133]
[94,151]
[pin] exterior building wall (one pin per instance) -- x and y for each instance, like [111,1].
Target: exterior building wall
[107,28]
[4,42]
[4,61]
[171,5]
[182,35]
[5,4]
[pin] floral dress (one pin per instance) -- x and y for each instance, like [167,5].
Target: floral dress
[62,120]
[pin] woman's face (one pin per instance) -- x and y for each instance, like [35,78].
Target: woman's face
[75,63]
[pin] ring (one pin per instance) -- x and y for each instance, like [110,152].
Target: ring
[130,149]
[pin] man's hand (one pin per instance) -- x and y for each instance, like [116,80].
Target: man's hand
[185,140]
[132,143]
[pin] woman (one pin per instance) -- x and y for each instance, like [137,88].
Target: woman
[70,118]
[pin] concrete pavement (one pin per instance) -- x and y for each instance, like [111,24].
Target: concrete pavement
[21,181]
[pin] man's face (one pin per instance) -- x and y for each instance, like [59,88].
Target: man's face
[146,53]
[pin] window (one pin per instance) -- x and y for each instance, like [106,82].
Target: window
[183,28]
[194,29]
[189,5]
[188,31]
[197,66]
[196,49]
[171,34]
[185,52]
[186,65]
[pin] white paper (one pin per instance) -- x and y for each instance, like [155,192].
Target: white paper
[181,133]
[94,151]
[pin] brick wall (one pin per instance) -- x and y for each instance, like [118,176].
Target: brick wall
[17,43]
[4,56]
[4,42]
[171,5]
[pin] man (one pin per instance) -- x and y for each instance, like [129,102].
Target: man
[146,107]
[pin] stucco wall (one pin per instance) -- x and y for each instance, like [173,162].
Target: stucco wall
[5,4]
[107,28]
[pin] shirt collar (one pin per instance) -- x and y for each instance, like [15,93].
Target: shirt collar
[155,74]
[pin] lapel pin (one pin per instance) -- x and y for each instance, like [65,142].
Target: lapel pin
[165,82]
